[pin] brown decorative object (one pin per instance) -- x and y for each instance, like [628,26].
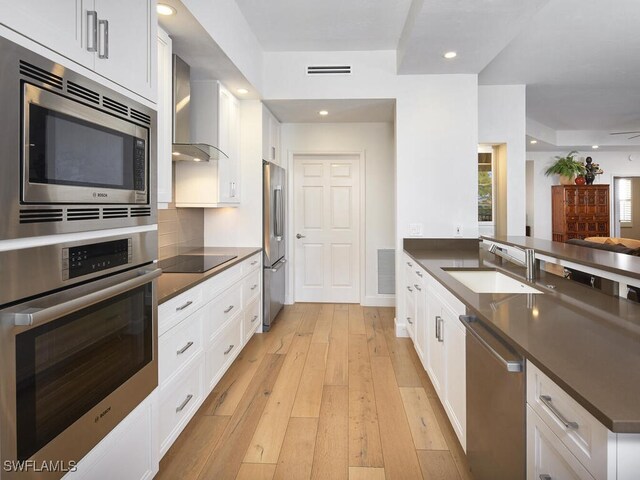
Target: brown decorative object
[580,180]
[579,211]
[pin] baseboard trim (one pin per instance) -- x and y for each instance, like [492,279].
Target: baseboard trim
[374,301]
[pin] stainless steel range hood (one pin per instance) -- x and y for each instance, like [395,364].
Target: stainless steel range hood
[183,148]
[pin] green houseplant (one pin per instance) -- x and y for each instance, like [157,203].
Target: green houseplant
[567,168]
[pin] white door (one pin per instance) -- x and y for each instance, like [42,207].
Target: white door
[327,228]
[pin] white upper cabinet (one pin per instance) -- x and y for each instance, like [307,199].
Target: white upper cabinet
[114,38]
[165,108]
[270,137]
[215,120]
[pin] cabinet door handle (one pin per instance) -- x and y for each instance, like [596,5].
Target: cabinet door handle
[254,287]
[185,348]
[184,404]
[409,320]
[545,476]
[419,273]
[104,52]
[92,31]
[184,306]
[441,337]
[229,349]
[229,309]
[409,288]
[254,263]
[546,399]
[410,264]
[417,287]
[255,317]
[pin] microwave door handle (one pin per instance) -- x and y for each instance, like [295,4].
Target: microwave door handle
[33,316]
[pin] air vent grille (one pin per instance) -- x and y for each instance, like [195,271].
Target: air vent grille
[82,92]
[115,106]
[40,216]
[121,212]
[142,117]
[329,70]
[386,271]
[83,214]
[140,211]
[40,75]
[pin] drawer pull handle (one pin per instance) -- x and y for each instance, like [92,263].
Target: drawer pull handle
[409,288]
[255,317]
[546,399]
[184,349]
[184,404]
[229,349]
[418,288]
[229,309]
[419,273]
[409,320]
[254,287]
[545,476]
[254,262]
[184,306]
[410,264]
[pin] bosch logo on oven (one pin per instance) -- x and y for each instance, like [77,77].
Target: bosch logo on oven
[100,195]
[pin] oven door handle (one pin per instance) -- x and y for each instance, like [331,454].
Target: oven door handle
[39,316]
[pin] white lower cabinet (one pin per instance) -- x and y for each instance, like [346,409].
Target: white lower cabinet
[203,331]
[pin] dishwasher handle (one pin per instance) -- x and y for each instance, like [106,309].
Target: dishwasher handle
[469,321]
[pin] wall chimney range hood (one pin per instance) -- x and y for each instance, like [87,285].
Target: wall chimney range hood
[183,148]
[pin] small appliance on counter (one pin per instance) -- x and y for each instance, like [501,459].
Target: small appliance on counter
[274,241]
[196,263]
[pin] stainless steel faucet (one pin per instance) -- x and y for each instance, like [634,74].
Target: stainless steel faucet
[529,259]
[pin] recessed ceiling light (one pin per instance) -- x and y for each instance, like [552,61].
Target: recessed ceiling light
[175,154]
[595,147]
[242,91]
[324,113]
[533,142]
[450,55]
[164,9]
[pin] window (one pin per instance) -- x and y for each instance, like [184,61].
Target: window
[624,199]
[485,187]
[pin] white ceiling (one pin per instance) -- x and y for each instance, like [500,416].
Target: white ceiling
[340,111]
[307,25]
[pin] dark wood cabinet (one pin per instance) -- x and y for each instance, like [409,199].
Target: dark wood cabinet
[579,211]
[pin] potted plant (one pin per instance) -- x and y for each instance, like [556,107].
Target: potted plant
[567,168]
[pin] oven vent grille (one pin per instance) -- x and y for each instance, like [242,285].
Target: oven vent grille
[142,117]
[329,70]
[83,214]
[40,75]
[122,212]
[39,216]
[115,106]
[82,92]
[140,211]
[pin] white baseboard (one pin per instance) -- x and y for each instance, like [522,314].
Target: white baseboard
[375,301]
[401,328]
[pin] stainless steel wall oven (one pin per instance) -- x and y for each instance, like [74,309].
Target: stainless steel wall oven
[74,155]
[77,357]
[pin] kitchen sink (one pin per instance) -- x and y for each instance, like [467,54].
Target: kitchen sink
[490,281]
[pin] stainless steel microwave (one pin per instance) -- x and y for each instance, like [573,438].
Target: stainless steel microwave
[74,155]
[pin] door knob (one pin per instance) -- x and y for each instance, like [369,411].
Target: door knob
[298,236]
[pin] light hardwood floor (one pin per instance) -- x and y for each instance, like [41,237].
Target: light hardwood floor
[329,393]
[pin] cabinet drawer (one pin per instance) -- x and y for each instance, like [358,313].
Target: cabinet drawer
[584,436]
[178,404]
[175,310]
[221,310]
[252,263]
[251,286]
[179,345]
[547,457]
[212,287]
[251,318]
[223,351]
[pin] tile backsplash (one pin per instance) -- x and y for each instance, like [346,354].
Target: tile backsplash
[179,229]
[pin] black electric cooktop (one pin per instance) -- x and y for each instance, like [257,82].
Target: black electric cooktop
[193,263]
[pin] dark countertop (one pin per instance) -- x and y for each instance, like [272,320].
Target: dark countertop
[173,284]
[586,341]
[627,265]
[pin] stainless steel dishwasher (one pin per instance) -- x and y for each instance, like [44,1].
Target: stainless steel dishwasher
[496,421]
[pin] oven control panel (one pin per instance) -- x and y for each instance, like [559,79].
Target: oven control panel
[94,257]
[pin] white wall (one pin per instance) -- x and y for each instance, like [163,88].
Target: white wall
[613,163]
[376,140]
[501,120]
[242,226]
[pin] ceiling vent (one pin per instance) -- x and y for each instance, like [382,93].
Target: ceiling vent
[329,70]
